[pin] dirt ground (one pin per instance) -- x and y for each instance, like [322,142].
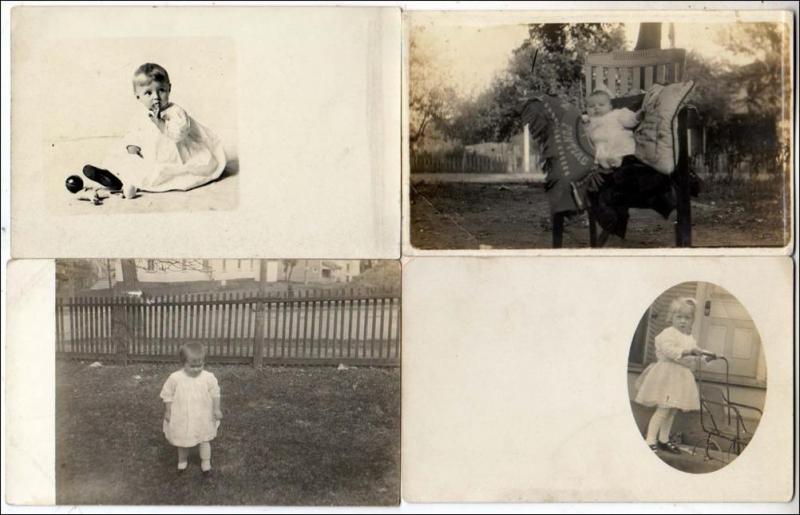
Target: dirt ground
[466,216]
[289,436]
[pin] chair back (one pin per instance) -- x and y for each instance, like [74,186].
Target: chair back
[627,73]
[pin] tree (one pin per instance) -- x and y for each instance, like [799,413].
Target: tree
[130,268]
[288,268]
[382,274]
[129,276]
[550,60]
[766,81]
[649,36]
[74,275]
[431,101]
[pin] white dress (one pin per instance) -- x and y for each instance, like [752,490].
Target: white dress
[180,156]
[669,382]
[612,136]
[192,413]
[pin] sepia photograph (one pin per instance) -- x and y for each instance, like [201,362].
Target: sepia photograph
[697,377]
[227,382]
[657,134]
[141,125]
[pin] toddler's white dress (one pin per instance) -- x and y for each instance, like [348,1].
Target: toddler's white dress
[669,382]
[192,416]
[612,137]
[182,156]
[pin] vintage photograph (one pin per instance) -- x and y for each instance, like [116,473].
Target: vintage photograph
[141,125]
[227,382]
[697,377]
[634,135]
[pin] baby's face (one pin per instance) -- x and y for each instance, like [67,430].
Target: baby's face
[194,365]
[683,321]
[152,94]
[598,105]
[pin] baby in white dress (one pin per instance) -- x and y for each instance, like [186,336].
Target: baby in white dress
[610,130]
[192,407]
[165,148]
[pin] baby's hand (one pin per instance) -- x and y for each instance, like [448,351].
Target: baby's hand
[167,416]
[155,115]
[217,414]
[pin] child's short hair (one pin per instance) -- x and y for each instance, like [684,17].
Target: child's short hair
[680,304]
[191,350]
[153,71]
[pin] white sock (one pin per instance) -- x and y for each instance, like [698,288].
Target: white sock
[183,458]
[666,426]
[205,456]
[654,426]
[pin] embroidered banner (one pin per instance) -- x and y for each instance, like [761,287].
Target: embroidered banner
[557,127]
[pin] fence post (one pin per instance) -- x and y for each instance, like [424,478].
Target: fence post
[526,148]
[258,350]
[120,329]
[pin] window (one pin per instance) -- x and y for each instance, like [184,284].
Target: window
[151,265]
[326,273]
[637,353]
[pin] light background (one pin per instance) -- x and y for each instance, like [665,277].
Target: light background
[318,102]
[91,109]
[515,380]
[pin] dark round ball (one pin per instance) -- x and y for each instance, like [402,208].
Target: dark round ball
[74,184]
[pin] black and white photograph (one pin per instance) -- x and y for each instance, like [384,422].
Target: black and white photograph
[697,377]
[140,125]
[656,134]
[227,382]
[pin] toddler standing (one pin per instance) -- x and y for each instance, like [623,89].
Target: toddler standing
[192,407]
[669,384]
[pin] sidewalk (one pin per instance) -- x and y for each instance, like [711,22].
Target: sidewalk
[695,463]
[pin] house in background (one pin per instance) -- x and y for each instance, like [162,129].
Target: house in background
[723,326]
[192,274]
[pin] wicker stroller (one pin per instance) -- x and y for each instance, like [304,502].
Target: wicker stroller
[721,419]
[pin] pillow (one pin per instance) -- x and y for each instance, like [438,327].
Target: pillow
[656,136]
[633,102]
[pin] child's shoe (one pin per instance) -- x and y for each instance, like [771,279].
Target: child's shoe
[669,447]
[182,466]
[104,177]
[654,448]
[205,466]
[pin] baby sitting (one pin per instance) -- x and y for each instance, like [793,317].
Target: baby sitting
[610,130]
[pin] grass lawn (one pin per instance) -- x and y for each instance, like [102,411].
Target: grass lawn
[289,436]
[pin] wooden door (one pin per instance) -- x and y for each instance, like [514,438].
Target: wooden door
[727,329]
